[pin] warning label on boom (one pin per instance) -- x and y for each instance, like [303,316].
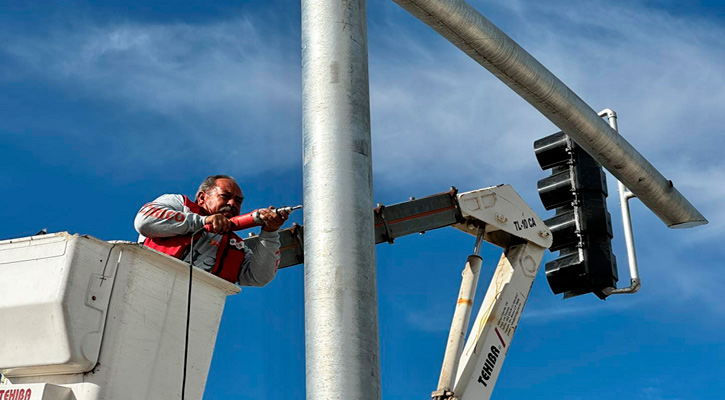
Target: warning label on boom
[510,314]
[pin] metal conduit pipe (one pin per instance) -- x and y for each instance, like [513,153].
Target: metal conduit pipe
[624,196]
[341,314]
[471,32]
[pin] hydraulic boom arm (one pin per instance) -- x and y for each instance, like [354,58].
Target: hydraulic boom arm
[497,215]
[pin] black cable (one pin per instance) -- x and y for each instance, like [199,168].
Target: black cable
[188,312]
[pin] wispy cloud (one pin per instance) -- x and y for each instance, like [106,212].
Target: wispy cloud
[655,389]
[428,316]
[216,83]
[557,309]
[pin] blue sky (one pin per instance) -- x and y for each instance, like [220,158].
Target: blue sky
[104,106]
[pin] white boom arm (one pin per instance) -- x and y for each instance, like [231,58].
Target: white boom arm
[507,221]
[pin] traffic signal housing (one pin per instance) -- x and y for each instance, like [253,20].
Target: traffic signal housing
[582,226]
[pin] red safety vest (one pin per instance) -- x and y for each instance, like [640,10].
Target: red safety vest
[229,258]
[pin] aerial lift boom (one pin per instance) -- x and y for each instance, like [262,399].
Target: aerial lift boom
[500,216]
[497,215]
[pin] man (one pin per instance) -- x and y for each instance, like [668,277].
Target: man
[167,224]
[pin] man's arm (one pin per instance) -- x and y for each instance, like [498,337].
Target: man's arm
[259,267]
[166,216]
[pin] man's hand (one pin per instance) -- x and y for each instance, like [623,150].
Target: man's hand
[219,223]
[272,219]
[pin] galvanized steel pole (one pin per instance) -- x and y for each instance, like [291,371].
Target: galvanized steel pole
[341,318]
[471,32]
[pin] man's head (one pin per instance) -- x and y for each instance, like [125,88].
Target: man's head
[220,194]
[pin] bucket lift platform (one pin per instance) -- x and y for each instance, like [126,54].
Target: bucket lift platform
[87,319]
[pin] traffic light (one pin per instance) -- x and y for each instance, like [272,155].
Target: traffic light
[582,226]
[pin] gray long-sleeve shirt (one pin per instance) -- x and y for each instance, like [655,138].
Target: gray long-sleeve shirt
[167,216]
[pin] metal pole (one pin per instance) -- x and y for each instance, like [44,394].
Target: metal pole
[341,319]
[470,31]
[624,196]
[461,316]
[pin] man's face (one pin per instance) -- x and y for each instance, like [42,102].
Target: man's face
[225,198]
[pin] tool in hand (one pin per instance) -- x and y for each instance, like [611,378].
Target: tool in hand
[252,219]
